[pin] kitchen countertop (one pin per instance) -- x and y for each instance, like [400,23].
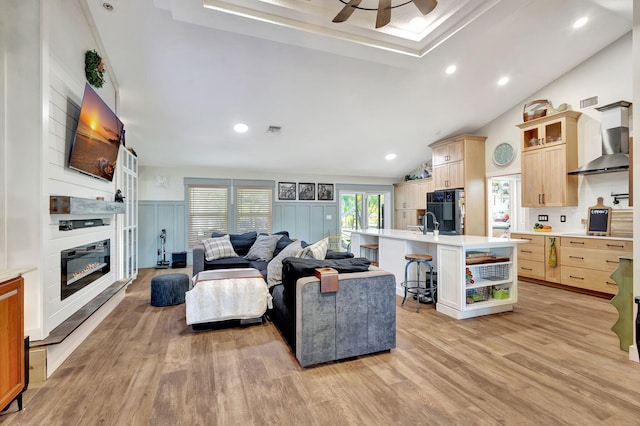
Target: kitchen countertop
[451,240]
[572,234]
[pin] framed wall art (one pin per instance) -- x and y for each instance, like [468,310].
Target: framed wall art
[325,192]
[287,191]
[306,191]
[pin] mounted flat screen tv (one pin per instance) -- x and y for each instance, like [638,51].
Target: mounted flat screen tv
[94,150]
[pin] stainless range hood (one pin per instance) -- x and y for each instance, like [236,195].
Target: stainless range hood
[615,141]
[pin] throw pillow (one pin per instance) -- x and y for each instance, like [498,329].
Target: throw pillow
[263,248]
[282,243]
[241,242]
[274,269]
[316,251]
[217,248]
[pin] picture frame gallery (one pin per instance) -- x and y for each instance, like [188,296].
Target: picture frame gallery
[305,191]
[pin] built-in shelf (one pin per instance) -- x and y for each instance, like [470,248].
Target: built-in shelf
[61,204]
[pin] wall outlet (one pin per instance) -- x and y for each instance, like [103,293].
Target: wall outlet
[543,218]
[563,218]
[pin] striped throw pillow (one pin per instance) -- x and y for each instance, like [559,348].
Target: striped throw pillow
[217,248]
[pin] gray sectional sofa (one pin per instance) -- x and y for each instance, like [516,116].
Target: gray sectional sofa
[358,319]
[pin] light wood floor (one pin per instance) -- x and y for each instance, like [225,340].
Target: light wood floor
[552,361]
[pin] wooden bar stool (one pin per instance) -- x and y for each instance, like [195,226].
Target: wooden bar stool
[413,286]
[370,252]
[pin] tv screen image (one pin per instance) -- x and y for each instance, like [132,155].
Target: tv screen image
[95,147]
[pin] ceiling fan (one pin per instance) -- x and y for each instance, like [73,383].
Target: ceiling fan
[384,9]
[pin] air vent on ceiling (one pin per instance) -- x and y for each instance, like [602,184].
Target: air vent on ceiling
[588,102]
[274,129]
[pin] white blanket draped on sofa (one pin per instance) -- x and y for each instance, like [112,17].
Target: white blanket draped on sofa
[234,298]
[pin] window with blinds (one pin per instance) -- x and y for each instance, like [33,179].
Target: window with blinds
[208,211]
[254,209]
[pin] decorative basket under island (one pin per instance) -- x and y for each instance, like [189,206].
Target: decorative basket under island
[475,275]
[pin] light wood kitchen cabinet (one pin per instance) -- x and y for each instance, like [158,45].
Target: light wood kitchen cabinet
[585,263]
[550,150]
[448,153]
[406,217]
[12,374]
[449,175]
[412,194]
[410,201]
[458,162]
[533,257]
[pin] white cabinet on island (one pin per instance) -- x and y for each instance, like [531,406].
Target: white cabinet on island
[475,275]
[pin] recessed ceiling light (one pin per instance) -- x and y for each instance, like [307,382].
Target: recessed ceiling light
[580,22]
[503,81]
[451,69]
[241,128]
[389,156]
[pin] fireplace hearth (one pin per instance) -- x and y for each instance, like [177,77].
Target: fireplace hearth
[82,265]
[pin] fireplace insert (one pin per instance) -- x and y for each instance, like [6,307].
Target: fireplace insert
[82,265]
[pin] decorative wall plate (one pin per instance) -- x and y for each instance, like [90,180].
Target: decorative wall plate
[503,154]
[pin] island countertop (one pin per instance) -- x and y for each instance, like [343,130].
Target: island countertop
[469,241]
[464,289]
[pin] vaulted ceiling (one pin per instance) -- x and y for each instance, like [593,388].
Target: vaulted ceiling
[343,94]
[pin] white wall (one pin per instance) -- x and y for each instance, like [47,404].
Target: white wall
[68,37]
[150,188]
[607,75]
[42,46]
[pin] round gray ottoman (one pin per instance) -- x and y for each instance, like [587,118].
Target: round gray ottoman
[169,289]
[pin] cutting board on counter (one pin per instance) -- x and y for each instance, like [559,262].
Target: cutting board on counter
[622,223]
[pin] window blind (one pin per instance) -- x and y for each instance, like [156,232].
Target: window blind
[207,211]
[254,205]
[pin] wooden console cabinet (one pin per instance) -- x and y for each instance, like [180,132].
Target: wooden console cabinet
[12,374]
[549,150]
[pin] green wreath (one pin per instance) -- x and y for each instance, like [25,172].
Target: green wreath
[94,68]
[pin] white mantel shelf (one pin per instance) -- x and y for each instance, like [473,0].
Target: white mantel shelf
[61,204]
[450,254]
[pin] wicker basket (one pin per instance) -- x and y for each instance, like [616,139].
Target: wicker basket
[535,109]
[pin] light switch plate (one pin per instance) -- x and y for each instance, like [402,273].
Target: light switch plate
[543,218]
[563,218]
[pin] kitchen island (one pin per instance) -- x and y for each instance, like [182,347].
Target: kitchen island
[475,275]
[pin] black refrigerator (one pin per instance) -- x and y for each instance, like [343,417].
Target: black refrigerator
[448,208]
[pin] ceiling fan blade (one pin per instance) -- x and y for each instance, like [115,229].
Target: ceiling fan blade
[384,13]
[346,11]
[425,6]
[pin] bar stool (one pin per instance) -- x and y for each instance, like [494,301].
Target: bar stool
[370,252]
[413,286]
